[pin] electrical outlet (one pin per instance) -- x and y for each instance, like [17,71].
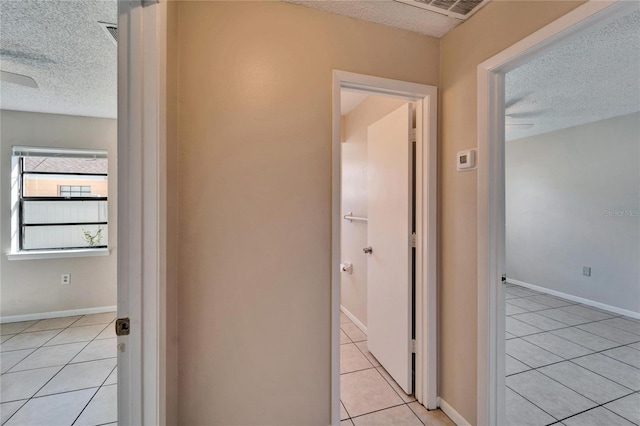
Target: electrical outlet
[586,271]
[65,279]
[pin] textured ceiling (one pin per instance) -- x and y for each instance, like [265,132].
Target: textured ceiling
[589,78]
[387,12]
[61,45]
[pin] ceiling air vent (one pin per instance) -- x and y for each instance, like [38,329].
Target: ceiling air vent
[111,30]
[459,9]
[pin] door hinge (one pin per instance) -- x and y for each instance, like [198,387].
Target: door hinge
[123,327]
[412,240]
[413,346]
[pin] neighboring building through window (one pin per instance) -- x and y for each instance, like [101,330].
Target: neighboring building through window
[61,199]
[75,191]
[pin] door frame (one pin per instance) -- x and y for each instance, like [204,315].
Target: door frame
[426,98]
[142,179]
[491,192]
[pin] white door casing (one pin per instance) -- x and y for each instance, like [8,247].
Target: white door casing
[142,366]
[426,99]
[491,199]
[389,265]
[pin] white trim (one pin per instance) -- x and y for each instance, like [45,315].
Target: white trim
[452,413]
[490,215]
[43,151]
[578,299]
[141,189]
[55,254]
[353,319]
[426,98]
[57,314]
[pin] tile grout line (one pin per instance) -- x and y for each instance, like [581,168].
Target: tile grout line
[631,391]
[35,347]
[386,381]
[94,395]
[60,365]
[53,337]
[532,403]
[52,346]
[569,326]
[20,408]
[571,361]
[619,360]
[593,352]
[356,371]
[595,372]
[611,314]
[537,369]
[63,367]
[601,352]
[599,406]
[377,411]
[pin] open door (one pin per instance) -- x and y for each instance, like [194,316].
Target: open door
[389,296]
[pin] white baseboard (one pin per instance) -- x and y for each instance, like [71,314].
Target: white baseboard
[57,314]
[588,302]
[353,318]
[452,414]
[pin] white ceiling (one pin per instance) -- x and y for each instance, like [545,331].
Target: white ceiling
[387,12]
[62,47]
[589,78]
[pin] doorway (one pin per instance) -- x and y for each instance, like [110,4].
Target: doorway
[402,97]
[146,276]
[59,216]
[547,310]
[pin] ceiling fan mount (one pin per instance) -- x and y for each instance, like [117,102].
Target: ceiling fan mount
[22,80]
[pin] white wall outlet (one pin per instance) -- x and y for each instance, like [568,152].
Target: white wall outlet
[65,279]
[586,271]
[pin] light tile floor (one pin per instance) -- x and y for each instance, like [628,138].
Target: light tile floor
[568,363]
[368,395]
[59,371]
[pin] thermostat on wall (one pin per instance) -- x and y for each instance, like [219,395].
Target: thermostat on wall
[466,160]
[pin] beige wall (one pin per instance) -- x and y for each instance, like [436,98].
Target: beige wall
[353,295]
[171,302]
[254,186]
[496,27]
[33,286]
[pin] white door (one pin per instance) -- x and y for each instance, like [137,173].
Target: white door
[389,229]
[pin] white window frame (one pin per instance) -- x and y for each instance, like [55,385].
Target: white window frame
[16,253]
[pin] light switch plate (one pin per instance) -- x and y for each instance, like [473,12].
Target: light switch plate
[466,160]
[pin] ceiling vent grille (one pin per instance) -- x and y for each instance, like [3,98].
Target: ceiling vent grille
[111,30]
[458,9]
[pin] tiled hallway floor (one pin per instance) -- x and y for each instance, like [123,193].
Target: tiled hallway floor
[568,363]
[368,395]
[59,371]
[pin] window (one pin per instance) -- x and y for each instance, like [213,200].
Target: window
[75,191]
[60,199]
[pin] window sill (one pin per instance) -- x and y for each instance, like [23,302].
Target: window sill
[55,254]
